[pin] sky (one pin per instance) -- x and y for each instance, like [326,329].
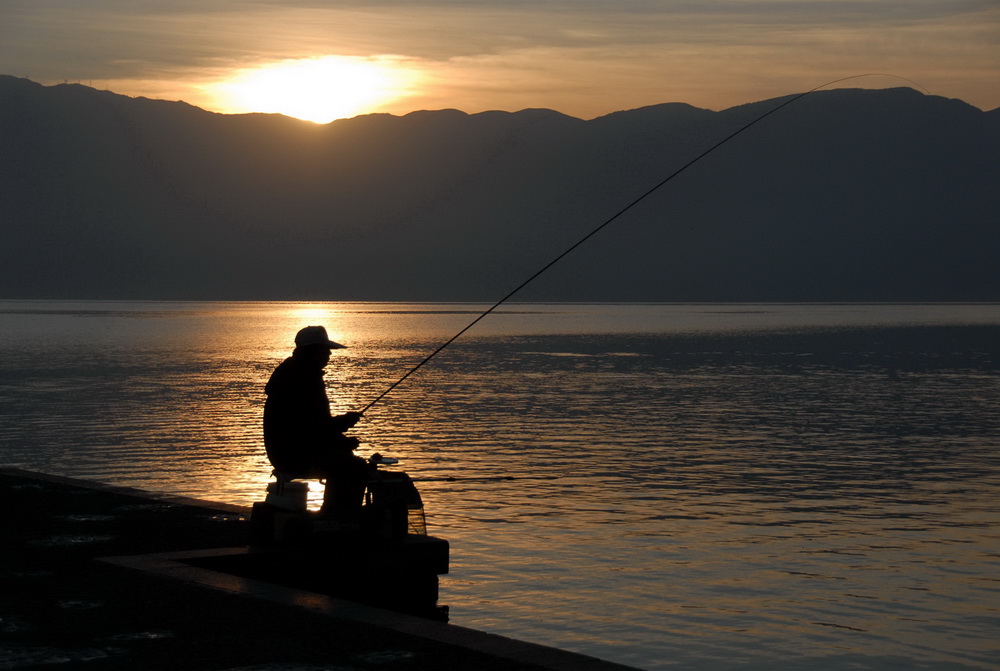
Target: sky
[320,59]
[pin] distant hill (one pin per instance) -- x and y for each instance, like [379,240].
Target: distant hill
[846,195]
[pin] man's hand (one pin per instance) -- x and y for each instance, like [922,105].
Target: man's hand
[342,423]
[351,418]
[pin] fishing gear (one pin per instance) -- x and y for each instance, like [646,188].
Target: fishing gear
[618,214]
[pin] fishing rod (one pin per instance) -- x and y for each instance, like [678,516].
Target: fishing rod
[618,214]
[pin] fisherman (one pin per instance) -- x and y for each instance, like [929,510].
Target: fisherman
[302,438]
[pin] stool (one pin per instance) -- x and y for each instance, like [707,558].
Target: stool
[288,492]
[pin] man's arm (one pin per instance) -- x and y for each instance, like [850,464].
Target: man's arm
[344,422]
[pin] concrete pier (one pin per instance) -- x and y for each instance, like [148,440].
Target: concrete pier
[100,577]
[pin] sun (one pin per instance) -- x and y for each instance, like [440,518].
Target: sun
[315,89]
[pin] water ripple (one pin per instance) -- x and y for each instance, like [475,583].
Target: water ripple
[808,497]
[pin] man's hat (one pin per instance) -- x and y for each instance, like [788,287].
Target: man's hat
[315,335]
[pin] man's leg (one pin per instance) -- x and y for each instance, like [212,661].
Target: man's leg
[345,488]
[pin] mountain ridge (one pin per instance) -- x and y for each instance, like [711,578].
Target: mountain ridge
[848,194]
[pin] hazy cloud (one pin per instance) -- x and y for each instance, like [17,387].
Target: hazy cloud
[584,57]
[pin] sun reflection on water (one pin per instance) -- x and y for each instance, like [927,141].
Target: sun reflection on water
[655,496]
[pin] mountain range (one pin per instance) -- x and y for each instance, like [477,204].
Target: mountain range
[842,195]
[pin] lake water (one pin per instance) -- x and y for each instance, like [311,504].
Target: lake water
[666,486]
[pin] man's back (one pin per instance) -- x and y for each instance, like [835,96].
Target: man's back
[296,414]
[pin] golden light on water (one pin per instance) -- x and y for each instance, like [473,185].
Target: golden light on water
[316,89]
[318,314]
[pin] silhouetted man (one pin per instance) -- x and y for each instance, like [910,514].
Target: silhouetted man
[302,438]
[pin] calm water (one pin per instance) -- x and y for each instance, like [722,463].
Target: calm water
[667,486]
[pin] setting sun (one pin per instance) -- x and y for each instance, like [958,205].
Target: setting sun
[315,89]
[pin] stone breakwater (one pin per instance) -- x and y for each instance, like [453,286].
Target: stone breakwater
[86,581]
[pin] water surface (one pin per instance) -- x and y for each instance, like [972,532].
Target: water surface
[667,486]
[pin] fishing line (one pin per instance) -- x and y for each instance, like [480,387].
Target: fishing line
[622,211]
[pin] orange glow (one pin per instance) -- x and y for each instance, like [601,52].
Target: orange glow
[326,315]
[315,89]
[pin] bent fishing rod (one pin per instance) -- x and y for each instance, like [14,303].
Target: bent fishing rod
[616,216]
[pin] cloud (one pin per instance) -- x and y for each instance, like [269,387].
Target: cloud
[594,67]
[583,57]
